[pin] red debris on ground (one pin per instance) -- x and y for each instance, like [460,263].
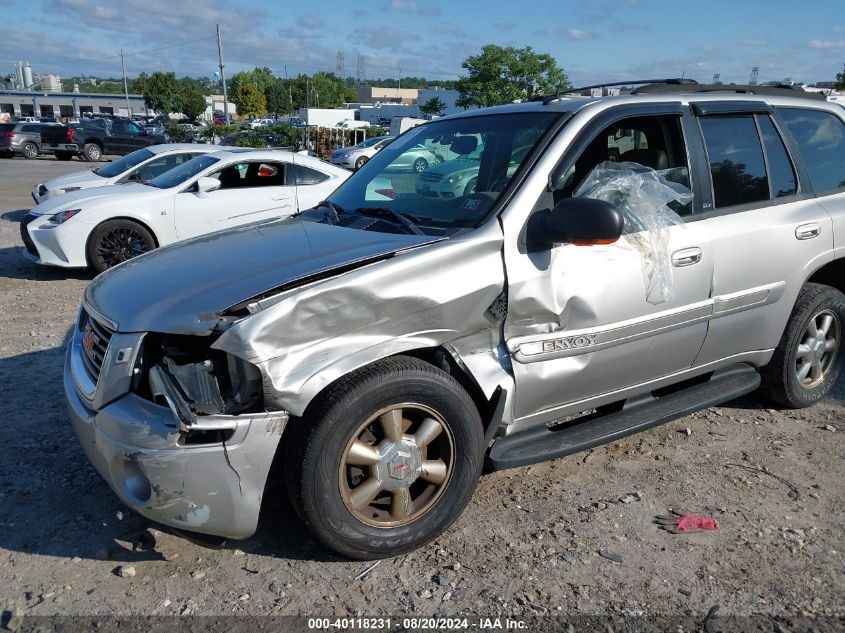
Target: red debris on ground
[681,522]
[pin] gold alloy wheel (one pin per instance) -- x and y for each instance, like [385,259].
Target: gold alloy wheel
[396,465]
[818,348]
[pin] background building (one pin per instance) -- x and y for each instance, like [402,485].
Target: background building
[69,104]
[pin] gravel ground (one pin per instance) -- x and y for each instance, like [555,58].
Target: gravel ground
[528,544]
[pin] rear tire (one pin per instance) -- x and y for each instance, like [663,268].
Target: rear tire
[117,241]
[420,165]
[30,151]
[92,152]
[405,431]
[64,155]
[809,356]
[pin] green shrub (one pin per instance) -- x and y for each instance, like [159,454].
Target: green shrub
[178,134]
[209,132]
[251,139]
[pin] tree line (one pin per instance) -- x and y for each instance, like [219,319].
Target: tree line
[495,76]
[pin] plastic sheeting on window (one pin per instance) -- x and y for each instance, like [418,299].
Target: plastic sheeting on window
[642,194]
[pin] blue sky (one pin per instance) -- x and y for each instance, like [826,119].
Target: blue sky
[593,40]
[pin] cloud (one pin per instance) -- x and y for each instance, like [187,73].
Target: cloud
[308,21]
[380,38]
[574,35]
[825,45]
[754,41]
[412,7]
[507,27]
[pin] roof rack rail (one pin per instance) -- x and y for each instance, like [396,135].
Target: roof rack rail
[547,99]
[750,89]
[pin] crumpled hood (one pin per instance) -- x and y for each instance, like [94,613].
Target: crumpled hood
[86,178]
[183,288]
[80,198]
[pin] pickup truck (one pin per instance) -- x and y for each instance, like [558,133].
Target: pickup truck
[90,140]
[618,263]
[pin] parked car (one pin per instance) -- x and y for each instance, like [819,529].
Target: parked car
[105,226]
[458,177]
[91,138]
[142,164]
[28,119]
[20,138]
[259,123]
[417,159]
[384,351]
[356,156]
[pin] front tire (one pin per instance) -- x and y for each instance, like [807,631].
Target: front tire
[92,152]
[809,357]
[30,151]
[361,162]
[117,241]
[386,460]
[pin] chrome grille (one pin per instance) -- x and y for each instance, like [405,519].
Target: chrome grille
[429,177]
[95,342]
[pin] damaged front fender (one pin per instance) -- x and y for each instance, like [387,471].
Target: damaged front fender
[418,299]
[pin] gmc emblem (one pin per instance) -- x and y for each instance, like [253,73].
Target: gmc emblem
[89,341]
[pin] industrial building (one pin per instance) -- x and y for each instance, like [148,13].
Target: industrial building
[21,103]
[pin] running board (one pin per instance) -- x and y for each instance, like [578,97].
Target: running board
[541,444]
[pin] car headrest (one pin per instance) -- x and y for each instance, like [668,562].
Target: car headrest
[649,157]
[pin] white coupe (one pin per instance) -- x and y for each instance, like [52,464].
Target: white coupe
[105,226]
[143,164]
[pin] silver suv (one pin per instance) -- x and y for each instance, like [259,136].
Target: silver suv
[20,138]
[651,255]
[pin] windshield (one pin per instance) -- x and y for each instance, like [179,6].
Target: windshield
[447,174]
[370,142]
[183,172]
[123,164]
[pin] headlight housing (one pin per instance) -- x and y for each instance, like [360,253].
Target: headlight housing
[63,216]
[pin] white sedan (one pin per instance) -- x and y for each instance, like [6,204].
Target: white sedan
[142,164]
[105,226]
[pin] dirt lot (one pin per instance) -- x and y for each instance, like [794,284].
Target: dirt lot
[528,544]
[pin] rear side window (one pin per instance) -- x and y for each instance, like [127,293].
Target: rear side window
[736,160]
[781,173]
[821,139]
[30,129]
[299,175]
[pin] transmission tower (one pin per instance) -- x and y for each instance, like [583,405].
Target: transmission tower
[754,71]
[339,66]
[360,72]
[717,77]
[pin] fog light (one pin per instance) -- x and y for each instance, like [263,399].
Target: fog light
[133,482]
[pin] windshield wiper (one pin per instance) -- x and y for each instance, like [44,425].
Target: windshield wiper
[406,220]
[334,210]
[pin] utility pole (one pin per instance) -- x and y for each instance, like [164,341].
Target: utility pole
[125,84]
[399,91]
[290,92]
[222,78]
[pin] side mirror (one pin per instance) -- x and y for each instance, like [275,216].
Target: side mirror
[579,221]
[134,177]
[207,185]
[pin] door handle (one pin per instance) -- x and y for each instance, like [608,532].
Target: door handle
[808,231]
[686,257]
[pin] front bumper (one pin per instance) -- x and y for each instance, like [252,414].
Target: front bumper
[138,447]
[55,244]
[342,161]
